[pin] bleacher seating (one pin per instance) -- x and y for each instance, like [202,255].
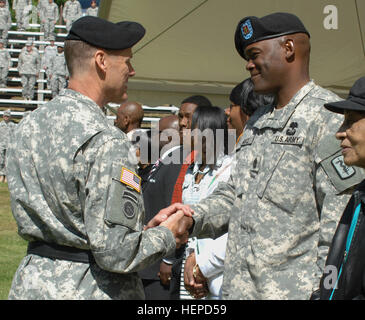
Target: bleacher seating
[10,97]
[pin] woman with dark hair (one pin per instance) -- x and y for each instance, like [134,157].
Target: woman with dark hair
[209,261]
[209,128]
[244,103]
[211,166]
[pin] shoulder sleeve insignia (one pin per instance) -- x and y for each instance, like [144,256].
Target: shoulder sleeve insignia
[342,169]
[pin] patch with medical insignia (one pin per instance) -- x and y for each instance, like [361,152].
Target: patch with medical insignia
[342,169]
[290,140]
[247,30]
[132,180]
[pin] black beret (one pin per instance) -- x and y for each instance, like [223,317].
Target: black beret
[253,29]
[355,100]
[104,34]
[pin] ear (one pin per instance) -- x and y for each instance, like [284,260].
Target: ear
[100,57]
[127,120]
[289,47]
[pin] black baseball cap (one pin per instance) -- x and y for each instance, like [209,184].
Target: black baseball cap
[355,100]
[253,29]
[104,34]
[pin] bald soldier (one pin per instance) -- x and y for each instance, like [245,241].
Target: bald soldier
[129,117]
[290,184]
[74,192]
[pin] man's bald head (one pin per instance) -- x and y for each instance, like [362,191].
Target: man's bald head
[169,122]
[169,129]
[129,116]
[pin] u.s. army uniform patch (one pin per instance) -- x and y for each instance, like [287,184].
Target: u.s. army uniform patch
[125,203]
[342,169]
[341,175]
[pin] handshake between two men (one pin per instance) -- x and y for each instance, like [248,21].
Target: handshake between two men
[177,218]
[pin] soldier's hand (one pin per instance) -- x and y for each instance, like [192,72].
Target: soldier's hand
[196,286]
[179,227]
[165,273]
[165,213]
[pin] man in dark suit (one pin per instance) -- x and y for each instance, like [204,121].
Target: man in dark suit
[157,193]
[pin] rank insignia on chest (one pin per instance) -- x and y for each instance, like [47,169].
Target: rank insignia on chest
[342,169]
[132,180]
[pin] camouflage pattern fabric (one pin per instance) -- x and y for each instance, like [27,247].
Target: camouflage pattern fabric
[92,11]
[6,134]
[58,72]
[28,67]
[282,203]
[65,184]
[29,62]
[49,53]
[18,6]
[48,16]
[5,64]
[71,12]
[5,22]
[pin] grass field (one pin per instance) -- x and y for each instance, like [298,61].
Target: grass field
[12,247]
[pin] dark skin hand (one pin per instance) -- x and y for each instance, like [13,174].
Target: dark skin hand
[165,273]
[198,286]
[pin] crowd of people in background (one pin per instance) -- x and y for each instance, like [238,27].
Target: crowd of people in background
[266,201]
[30,61]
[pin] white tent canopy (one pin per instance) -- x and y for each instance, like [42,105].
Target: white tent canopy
[189,49]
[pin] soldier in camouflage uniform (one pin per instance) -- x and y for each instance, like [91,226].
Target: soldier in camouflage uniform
[289,184]
[93,10]
[40,6]
[58,71]
[73,188]
[28,68]
[5,21]
[19,6]
[49,16]
[49,52]
[5,64]
[71,12]
[6,131]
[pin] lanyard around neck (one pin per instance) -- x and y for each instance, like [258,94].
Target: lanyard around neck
[348,243]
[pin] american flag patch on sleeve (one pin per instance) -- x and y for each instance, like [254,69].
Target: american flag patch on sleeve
[130,179]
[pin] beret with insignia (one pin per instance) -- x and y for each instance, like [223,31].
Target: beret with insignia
[253,29]
[104,34]
[355,100]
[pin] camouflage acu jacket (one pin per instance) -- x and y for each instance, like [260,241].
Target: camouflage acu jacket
[66,175]
[286,193]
